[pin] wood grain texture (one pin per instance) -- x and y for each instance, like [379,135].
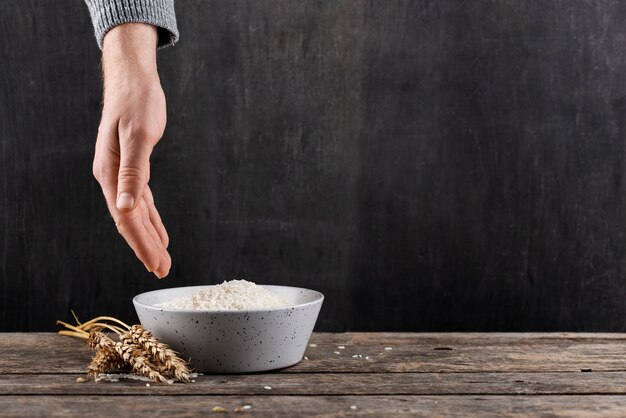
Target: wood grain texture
[427,165]
[41,380]
[391,384]
[424,353]
[321,406]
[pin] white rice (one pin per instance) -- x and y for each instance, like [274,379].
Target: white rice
[235,295]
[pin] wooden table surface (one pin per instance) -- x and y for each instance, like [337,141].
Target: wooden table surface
[453,374]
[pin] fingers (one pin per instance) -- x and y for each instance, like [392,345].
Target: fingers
[131,227]
[142,237]
[136,226]
[155,218]
[134,169]
[165,262]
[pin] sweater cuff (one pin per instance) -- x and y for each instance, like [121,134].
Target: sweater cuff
[106,14]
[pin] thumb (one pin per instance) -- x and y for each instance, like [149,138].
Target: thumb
[133,173]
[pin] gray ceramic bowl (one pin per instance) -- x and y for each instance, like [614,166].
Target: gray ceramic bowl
[233,341]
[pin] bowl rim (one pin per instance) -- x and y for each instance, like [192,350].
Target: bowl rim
[318,300]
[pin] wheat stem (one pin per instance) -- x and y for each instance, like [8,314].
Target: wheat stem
[105,318]
[72,327]
[98,326]
[73,334]
[75,317]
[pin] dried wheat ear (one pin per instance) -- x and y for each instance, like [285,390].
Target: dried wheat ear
[136,349]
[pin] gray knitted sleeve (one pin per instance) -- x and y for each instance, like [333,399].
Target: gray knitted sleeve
[106,14]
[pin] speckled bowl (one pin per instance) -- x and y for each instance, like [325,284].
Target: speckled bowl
[233,341]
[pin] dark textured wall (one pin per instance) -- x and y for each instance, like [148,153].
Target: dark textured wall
[428,165]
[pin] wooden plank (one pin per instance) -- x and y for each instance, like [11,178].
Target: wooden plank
[42,353]
[602,383]
[492,337]
[335,406]
[466,352]
[411,352]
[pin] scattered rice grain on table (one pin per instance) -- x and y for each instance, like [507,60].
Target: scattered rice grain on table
[242,408]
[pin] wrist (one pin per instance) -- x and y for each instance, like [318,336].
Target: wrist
[130,48]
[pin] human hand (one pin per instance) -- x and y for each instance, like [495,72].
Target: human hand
[133,121]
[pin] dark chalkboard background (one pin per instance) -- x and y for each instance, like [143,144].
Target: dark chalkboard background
[428,165]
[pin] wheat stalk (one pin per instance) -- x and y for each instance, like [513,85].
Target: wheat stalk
[166,358]
[137,348]
[135,356]
[105,360]
[98,340]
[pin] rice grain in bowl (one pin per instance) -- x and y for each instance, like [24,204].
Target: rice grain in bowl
[233,341]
